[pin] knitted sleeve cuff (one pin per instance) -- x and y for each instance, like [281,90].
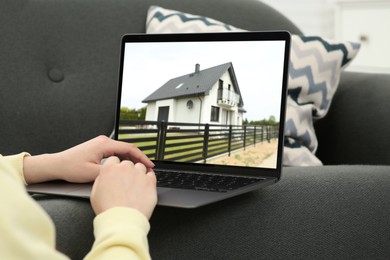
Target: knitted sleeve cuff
[17,162]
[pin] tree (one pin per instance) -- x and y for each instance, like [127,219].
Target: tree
[270,121]
[132,114]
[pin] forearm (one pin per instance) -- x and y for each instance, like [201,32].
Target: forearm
[80,163]
[60,166]
[40,168]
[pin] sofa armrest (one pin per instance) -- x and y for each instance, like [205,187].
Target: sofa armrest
[355,130]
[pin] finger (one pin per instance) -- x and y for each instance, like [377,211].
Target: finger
[128,164]
[138,156]
[127,151]
[152,175]
[112,160]
[133,153]
[140,167]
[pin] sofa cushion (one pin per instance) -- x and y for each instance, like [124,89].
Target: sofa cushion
[322,212]
[315,67]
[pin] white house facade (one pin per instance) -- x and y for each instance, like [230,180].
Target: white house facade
[205,96]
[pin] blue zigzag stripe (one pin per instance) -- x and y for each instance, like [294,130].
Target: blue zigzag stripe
[294,94]
[303,138]
[320,87]
[331,47]
[292,144]
[161,17]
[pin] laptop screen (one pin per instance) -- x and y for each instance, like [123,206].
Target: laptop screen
[210,99]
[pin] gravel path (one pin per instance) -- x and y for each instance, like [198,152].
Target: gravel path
[261,155]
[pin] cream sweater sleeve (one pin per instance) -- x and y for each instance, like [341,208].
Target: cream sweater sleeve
[120,233]
[26,231]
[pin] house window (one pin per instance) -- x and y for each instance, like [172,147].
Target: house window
[220,84]
[214,114]
[229,93]
[220,90]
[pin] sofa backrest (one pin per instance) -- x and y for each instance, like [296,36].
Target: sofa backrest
[355,130]
[59,63]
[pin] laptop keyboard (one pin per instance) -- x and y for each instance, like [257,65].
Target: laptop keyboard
[205,182]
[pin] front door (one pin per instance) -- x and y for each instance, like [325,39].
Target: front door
[163,113]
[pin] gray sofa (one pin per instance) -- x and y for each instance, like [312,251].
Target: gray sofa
[59,65]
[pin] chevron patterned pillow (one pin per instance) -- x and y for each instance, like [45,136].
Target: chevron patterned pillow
[315,67]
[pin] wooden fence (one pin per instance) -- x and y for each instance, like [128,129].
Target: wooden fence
[191,142]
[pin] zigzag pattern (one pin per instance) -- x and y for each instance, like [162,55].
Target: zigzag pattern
[314,87]
[292,143]
[189,28]
[305,138]
[295,93]
[323,63]
[185,18]
[299,124]
[305,50]
[332,47]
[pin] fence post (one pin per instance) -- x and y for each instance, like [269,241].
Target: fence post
[254,136]
[269,134]
[244,137]
[230,139]
[261,134]
[161,137]
[275,132]
[206,142]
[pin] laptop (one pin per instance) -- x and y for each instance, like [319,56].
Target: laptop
[207,108]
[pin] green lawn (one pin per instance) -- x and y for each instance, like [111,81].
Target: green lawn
[218,145]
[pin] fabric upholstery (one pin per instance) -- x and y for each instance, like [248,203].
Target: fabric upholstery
[313,213]
[356,129]
[327,212]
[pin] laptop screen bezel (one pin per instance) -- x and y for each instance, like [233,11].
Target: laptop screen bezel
[214,37]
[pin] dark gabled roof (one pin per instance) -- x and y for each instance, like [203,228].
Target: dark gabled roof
[193,84]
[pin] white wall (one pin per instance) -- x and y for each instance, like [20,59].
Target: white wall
[313,17]
[185,114]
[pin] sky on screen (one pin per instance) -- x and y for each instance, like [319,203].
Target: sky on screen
[258,67]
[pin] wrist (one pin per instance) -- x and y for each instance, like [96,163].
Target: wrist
[39,168]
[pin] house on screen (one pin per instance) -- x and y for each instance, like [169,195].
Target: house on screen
[204,96]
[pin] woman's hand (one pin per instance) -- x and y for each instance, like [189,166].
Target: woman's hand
[80,163]
[124,184]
